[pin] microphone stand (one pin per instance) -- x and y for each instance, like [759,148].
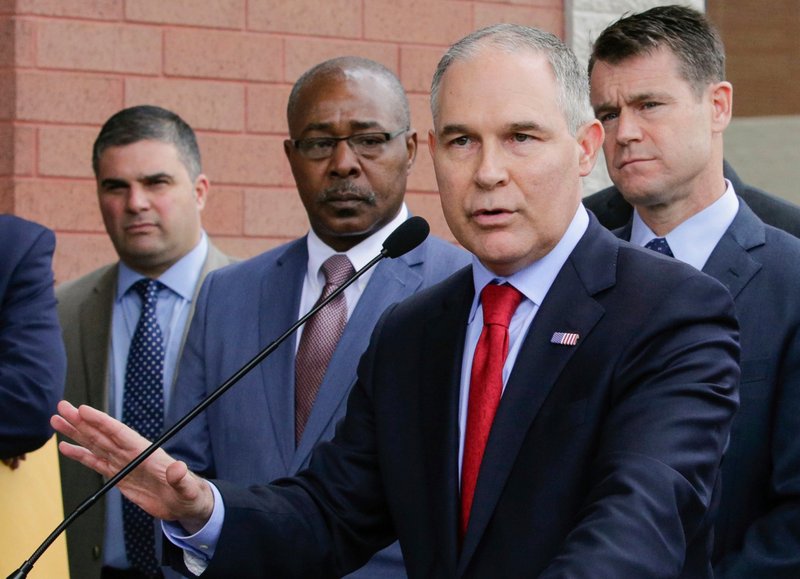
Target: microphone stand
[27,566]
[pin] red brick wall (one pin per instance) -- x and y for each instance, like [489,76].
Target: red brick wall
[226,66]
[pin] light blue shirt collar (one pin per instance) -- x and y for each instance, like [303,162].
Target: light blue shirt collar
[693,240]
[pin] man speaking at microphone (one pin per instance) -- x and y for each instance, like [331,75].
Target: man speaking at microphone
[559,409]
[351,149]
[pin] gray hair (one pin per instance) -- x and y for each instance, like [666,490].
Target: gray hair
[573,86]
[149,123]
[346,63]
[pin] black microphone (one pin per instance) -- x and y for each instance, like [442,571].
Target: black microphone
[406,237]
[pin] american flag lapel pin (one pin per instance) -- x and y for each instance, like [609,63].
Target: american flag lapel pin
[565,338]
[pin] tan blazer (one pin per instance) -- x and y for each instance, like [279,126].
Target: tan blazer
[84,310]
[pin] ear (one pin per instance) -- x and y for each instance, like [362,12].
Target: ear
[411,148]
[288,147]
[721,99]
[432,143]
[590,140]
[201,187]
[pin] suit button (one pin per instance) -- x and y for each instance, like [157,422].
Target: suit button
[96,552]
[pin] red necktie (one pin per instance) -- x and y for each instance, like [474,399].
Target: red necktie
[486,385]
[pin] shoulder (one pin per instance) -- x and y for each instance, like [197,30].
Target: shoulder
[19,236]
[770,208]
[262,265]
[77,290]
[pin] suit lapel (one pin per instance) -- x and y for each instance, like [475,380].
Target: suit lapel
[278,307]
[568,307]
[392,281]
[95,337]
[731,262]
[439,389]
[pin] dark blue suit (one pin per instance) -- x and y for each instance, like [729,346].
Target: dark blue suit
[32,359]
[248,435]
[602,461]
[758,528]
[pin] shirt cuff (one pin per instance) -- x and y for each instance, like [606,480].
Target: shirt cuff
[198,549]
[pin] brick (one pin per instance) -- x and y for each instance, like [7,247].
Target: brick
[6,149]
[224,211]
[6,195]
[17,42]
[61,204]
[303,53]
[421,119]
[102,47]
[212,13]
[71,98]
[241,160]
[211,105]
[77,254]
[8,82]
[266,108]
[417,64]
[549,19]
[274,213]
[337,18]
[422,177]
[234,55]
[442,22]
[93,9]
[246,247]
[24,150]
[427,205]
[66,151]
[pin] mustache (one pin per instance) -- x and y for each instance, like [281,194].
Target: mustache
[347,191]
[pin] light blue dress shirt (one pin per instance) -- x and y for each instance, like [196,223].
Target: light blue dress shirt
[534,282]
[172,311]
[693,240]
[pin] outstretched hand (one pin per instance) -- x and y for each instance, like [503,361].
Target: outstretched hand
[161,485]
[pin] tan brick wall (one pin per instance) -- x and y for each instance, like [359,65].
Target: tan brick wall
[226,66]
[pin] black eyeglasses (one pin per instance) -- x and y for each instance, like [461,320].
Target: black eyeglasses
[367,145]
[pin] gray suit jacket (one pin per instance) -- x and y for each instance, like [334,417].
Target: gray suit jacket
[247,436]
[757,533]
[84,310]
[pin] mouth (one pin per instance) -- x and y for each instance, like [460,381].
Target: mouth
[347,196]
[492,217]
[628,162]
[140,227]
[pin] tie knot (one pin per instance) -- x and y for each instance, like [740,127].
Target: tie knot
[337,269]
[499,303]
[147,289]
[660,245]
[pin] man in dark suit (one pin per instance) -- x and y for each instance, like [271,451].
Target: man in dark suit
[354,199]
[559,409]
[151,191]
[658,86]
[611,209]
[32,360]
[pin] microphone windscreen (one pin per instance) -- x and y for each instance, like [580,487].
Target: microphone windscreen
[410,234]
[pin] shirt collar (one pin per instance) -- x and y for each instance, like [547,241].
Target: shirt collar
[359,255]
[693,240]
[181,277]
[535,280]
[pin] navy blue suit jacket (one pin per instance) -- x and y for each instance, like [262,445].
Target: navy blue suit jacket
[602,461]
[32,359]
[247,436]
[758,528]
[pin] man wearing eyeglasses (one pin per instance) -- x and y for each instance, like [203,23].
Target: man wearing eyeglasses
[351,149]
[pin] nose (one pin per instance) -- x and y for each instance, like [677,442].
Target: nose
[138,200]
[344,162]
[491,171]
[627,128]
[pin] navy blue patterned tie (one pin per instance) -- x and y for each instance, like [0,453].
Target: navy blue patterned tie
[660,245]
[143,410]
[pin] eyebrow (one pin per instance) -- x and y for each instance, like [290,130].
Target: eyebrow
[117,182]
[354,126]
[633,99]
[510,128]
